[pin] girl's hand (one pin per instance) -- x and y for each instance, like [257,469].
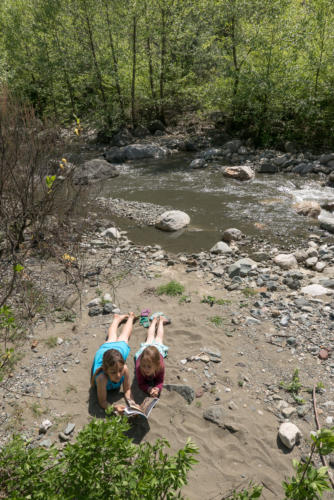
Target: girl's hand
[154,392]
[119,409]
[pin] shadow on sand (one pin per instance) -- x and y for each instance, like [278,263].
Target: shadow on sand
[139,425]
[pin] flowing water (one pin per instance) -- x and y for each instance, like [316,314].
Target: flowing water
[261,208]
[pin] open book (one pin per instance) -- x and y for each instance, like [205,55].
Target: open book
[144,409]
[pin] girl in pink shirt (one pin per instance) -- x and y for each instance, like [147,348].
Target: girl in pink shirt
[150,367]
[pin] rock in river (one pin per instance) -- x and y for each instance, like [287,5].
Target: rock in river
[172,220]
[94,170]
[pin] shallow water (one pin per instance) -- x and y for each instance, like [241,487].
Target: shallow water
[261,208]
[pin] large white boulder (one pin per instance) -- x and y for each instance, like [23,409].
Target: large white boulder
[326,221]
[286,260]
[289,434]
[172,220]
[309,208]
[241,173]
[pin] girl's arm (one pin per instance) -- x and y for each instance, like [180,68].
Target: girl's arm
[159,379]
[126,384]
[144,386]
[101,385]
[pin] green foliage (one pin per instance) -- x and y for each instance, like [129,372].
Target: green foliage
[267,65]
[209,299]
[309,483]
[249,494]
[294,387]
[49,181]
[51,342]
[8,331]
[172,289]
[249,292]
[102,463]
[216,320]
[184,299]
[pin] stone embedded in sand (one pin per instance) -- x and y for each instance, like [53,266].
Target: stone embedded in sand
[286,261]
[316,290]
[232,234]
[241,173]
[111,232]
[308,208]
[241,267]
[172,220]
[214,414]
[220,248]
[184,390]
[289,434]
[323,354]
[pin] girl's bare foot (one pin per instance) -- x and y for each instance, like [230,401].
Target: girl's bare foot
[165,321]
[119,318]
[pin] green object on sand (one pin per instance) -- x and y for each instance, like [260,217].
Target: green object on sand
[144,321]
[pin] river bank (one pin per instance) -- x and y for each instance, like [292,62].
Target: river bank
[229,353]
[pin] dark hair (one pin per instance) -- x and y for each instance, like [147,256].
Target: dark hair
[153,355]
[110,358]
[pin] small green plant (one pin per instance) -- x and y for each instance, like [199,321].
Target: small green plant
[309,483]
[172,289]
[249,292]
[198,404]
[37,410]
[241,383]
[294,387]
[209,299]
[253,492]
[51,342]
[216,320]
[223,302]
[49,182]
[243,304]
[71,388]
[67,316]
[184,299]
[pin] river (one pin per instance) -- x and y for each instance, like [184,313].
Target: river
[262,208]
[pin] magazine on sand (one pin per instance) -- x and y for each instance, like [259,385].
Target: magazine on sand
[144,409]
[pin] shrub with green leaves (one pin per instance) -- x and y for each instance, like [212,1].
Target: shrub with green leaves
[102,463]
[309,483]
[173,288]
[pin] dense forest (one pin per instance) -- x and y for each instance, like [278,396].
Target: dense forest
[267,66]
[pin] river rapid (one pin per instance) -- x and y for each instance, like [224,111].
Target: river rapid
[261,209]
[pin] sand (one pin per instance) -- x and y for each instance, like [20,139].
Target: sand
[226,459]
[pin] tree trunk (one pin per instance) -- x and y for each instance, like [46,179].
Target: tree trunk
[162,64]
[93,51]
[115,62]
[134,58]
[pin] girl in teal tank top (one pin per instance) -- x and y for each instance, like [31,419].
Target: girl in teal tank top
[109,370]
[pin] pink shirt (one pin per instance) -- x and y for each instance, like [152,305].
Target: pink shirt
[147,383]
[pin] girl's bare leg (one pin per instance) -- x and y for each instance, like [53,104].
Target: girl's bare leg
[160,329]
[127,328]
[151,331]
[112,332]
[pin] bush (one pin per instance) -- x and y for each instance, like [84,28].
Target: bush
[173,288]
[102,463]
